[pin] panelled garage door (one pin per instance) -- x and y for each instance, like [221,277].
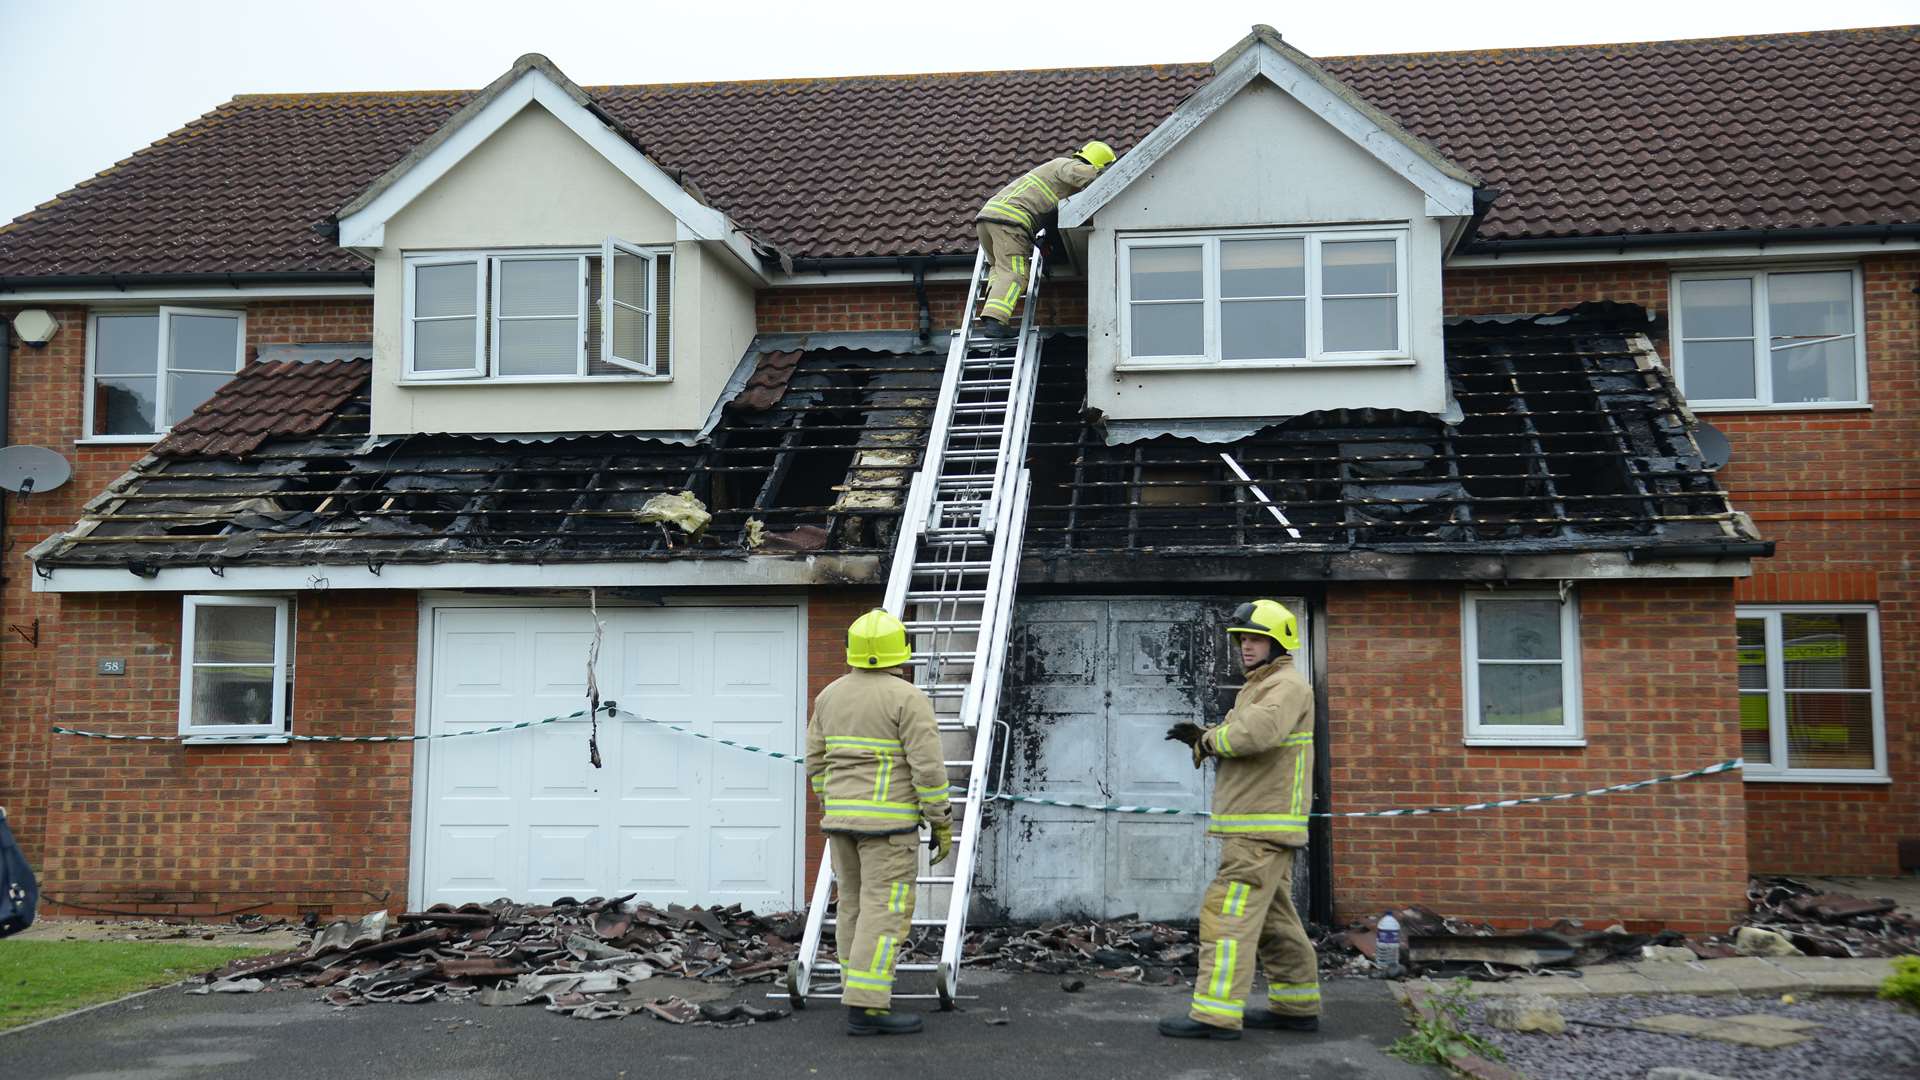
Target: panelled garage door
[675,819]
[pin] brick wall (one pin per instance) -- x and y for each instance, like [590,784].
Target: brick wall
[893,307]
[829,611]
[1658,665]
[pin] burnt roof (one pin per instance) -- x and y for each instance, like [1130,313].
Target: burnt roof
[1570,437]
[1788,131]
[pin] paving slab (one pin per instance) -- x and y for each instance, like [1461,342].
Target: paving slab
[1603,982]
[1748,1035]
[1678,1023]
[1753,975]
[1772,1022]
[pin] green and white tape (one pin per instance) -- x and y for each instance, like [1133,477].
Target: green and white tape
[523,725]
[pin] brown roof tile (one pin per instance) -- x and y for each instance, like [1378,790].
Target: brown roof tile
[269,399]
[1782,131]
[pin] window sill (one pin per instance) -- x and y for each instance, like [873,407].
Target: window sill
[119,440]
[539,380]
[1849,406]
[1523,742]
[1134,366]
[1812,778]
[235,740]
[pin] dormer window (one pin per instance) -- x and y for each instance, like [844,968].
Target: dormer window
[1266,298]
[560,315]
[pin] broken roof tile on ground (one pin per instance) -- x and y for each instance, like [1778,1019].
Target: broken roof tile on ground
[1775,131]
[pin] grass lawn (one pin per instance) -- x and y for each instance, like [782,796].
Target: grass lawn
[45,978]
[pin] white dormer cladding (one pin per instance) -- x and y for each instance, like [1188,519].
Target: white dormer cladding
[1273,248]
[534,272]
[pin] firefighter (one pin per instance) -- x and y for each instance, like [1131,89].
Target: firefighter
[1262,788]
[1009,220]
[874,760]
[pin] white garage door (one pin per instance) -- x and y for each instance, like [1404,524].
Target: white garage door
[673,818]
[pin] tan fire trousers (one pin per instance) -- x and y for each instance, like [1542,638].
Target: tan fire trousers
[1007,248]
[875,876]
[1249,907]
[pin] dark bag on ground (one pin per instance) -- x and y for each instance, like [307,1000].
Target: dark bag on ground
[19,893]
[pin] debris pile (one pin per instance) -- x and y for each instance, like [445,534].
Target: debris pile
[1123,949]
[1444,947]
[593,959]
[1824,924]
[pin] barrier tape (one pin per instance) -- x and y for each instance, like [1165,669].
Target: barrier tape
[59,730]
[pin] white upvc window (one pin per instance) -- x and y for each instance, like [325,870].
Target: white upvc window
[148,370]
[233,666]
[538,316]
[1264,298]
[1789,338]
[1522,680]
[1811,703]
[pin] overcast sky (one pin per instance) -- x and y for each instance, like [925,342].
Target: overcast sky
[83,85]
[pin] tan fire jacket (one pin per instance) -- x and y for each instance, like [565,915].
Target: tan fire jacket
[1028,201]
[865,725]
[1263,780]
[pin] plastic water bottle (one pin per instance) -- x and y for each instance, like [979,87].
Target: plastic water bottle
[1386,943]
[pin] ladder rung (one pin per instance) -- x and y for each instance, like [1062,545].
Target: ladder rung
[831,967]
[833,921]
[944,659]
[957,596]
[934,879]
[936,625]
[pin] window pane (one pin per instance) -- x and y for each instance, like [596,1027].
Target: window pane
[446,345]
[1263,329]
[1809,305]
[233,635]
[1718,369]
[629,333]
[1717,308]
[186,391]
[126,345]
[1825,652]
[444,290]
[1165,273]
[540,287]
[238,695]
[1756,743]
[629,279]
[1357,266]
[1263,268]
[1829,731]
[1822,372]
[203,343]
[1360,325]
[1167,329]
[539,347]
[1753,653]
[123,406]
[1518,629]
[1517,694]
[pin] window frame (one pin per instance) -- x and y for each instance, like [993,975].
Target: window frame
[1778,771]
[1757,279]
[1209,358]
[162,365]
[279,728]
[648,362]
[493,316]
[487,289]
[1572,730]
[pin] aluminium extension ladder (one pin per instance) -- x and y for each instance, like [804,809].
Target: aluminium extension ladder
[956,564]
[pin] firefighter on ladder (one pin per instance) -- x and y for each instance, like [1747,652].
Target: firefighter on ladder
[875,763]
[1009,220]
[1262,788]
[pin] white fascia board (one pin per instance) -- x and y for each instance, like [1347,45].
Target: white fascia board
[1692,253]
[366,227]
[1446,196]
[754,570]
[804,278]
[159,293]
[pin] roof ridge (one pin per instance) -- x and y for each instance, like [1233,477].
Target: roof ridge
[1778,37]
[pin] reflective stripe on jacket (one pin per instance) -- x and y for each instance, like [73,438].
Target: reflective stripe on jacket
[1030,200]
[873,755]
[1263,754]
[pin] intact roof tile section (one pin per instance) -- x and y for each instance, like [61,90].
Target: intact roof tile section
[267,400]
[1782,131]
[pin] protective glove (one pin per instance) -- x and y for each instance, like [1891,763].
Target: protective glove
[1186,733]
[942,840]
[1199,755]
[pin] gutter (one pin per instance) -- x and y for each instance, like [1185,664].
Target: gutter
[15,282]
[1628,241]
[1738,549]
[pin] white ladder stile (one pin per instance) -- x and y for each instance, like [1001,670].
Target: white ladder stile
[956,567]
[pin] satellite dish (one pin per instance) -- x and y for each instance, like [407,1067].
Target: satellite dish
[1714,447]
[31,469]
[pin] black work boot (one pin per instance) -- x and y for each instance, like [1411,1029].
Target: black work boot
[985,327]
[862,1021]
[1268,1020]
[1185,1027]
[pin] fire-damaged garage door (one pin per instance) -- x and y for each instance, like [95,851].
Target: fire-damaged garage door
[1092,688]
[675,819]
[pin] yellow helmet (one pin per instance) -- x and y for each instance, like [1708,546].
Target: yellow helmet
[1269,619]
[877,640]
[1097,154]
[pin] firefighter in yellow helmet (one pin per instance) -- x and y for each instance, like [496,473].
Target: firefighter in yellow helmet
[1008,221]
[874,760]
[1262,788]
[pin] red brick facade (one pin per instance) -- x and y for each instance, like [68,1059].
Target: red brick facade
[829,612]
[817,309]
